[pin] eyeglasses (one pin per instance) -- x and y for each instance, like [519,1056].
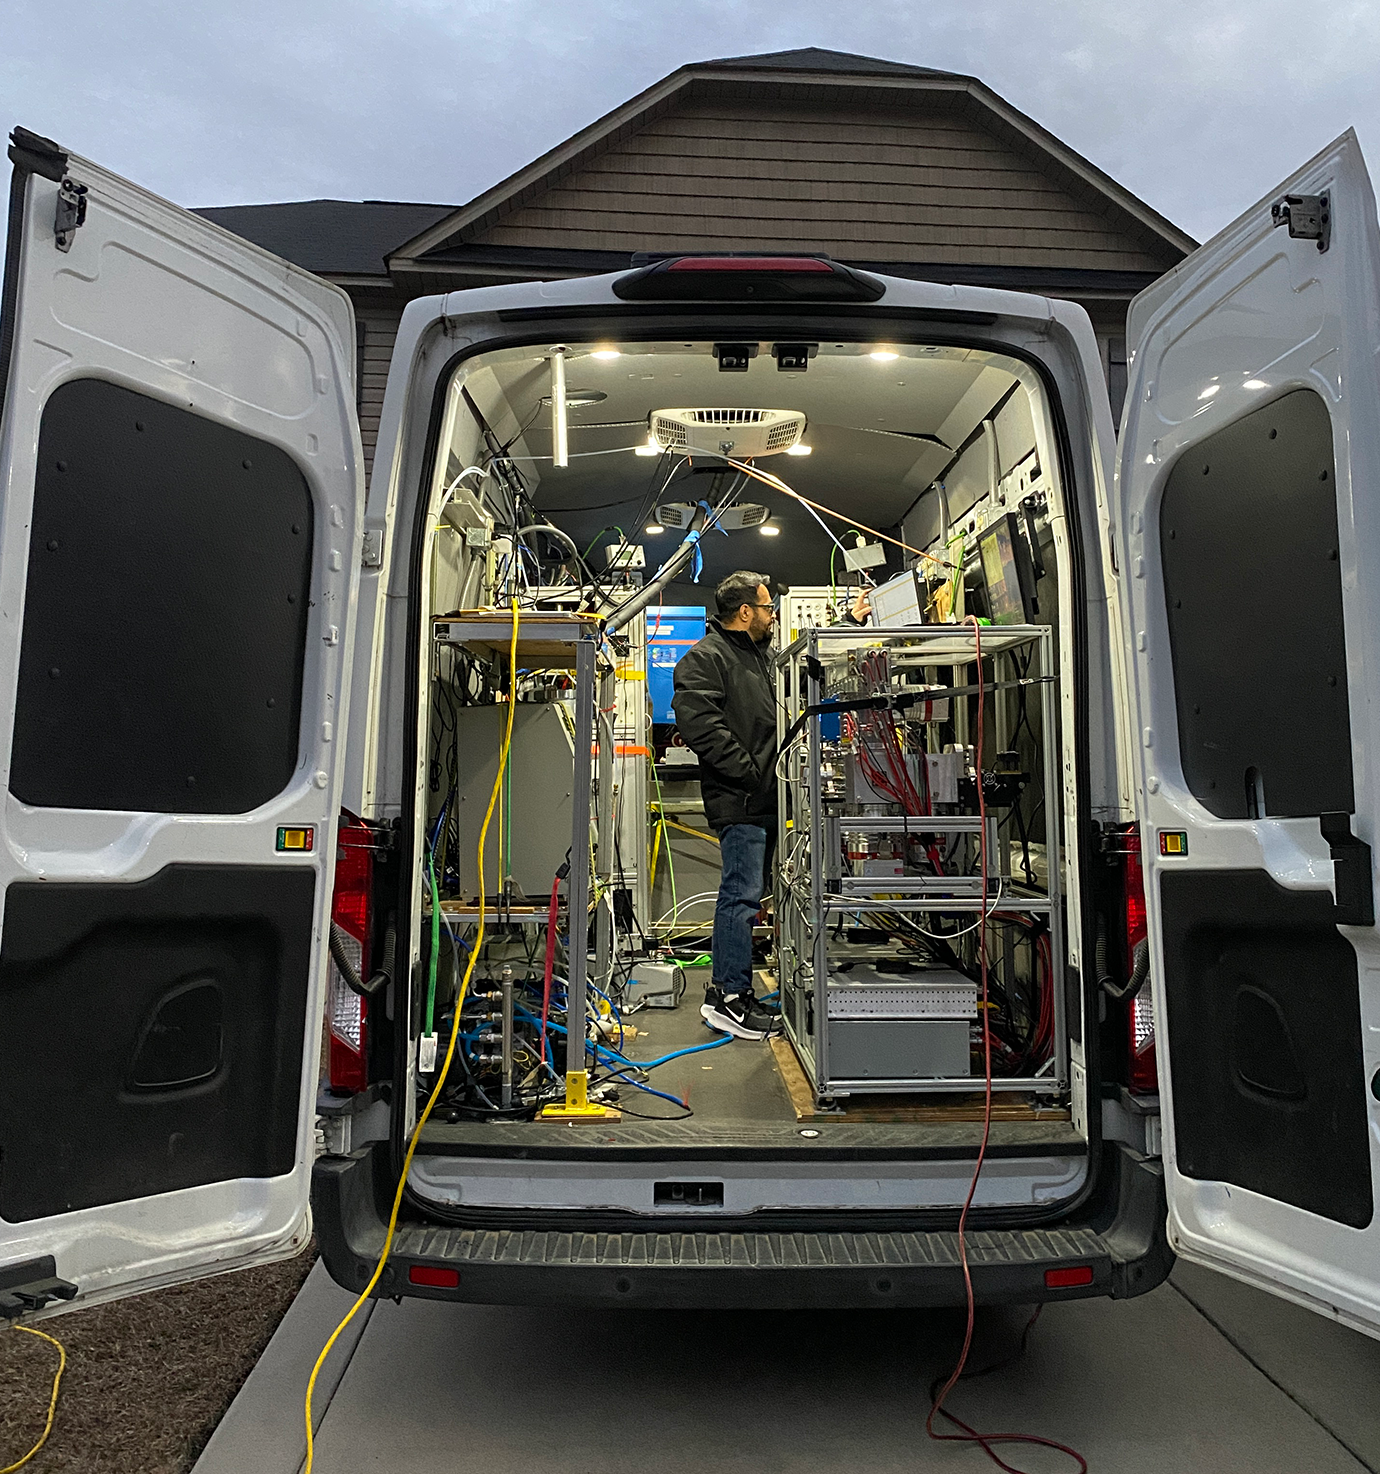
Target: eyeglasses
[771,605]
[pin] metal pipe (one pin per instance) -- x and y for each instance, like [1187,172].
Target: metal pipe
[631,607]
[603,831]
[577,989]
[507,1096]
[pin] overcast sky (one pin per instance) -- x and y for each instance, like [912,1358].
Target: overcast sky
[1198,108]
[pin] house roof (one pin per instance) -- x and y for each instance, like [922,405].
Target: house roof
[816,59]
[817,75]
[371,239]
[331,237]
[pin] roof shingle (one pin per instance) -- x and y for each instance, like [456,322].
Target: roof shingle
[337,237]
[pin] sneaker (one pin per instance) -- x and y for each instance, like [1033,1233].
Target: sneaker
[739,1014]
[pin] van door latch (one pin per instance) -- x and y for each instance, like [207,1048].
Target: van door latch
[71,213]
[1351,872]
[1308,216]
[30,1285]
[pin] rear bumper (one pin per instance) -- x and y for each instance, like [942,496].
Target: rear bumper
[1124,1245]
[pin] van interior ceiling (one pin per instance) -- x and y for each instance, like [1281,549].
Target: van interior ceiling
[565,479]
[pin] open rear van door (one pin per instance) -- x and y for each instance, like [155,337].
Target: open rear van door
[181,477]
[1249,508]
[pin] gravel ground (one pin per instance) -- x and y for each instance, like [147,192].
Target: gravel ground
[147,1379]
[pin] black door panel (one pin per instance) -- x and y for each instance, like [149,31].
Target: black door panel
[150,1033]
[1265,1041]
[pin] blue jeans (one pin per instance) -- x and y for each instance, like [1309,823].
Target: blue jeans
[743,854]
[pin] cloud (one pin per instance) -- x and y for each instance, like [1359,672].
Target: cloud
[1199,110]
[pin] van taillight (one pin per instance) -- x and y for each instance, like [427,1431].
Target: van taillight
[351,911]
[1140,1015]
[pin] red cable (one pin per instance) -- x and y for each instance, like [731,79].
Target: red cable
[550,959]
[966,1433]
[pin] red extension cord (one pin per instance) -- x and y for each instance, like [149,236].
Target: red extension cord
[968,1434]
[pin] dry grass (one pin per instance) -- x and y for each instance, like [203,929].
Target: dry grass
[147,1379]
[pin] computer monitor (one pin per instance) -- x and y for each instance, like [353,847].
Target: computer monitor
[1007,572]
[897,601]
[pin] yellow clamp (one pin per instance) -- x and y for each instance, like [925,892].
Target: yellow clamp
[577,1105]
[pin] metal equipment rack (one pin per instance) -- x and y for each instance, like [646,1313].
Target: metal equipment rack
[813,893]
[576,643]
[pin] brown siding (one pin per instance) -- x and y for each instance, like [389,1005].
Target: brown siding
[380,324]
[913,184]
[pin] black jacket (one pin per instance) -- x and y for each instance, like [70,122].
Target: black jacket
[725,707]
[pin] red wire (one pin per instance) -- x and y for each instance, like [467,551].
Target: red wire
[966,1433]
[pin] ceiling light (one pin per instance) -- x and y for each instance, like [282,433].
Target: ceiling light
[884,355]
[767,530]
[798,450]
[652,528]
[606,353]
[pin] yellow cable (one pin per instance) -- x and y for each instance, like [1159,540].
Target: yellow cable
[767,478]
[445,1066]
[52,1401]
[686,829]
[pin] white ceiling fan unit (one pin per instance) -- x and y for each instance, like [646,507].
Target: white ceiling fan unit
[741,433]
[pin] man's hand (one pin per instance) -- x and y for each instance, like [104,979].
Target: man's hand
[862,607]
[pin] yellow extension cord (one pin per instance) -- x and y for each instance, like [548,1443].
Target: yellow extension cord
[52,1401]
[440,1074]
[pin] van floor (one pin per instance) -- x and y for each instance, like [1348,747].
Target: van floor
[739,1100]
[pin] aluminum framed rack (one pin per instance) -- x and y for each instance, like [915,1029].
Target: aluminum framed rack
[827,812]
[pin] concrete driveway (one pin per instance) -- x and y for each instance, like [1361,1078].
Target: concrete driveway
[1202,1375]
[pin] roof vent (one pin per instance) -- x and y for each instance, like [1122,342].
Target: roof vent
[731,432]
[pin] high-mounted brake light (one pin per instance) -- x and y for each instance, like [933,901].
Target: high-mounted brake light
[1143,1074]
[750,263]
[747,278]
[352,912]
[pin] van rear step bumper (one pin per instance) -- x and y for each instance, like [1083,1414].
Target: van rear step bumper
[1125,1255]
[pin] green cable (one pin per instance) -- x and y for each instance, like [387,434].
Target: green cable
[435,946]
[600,534]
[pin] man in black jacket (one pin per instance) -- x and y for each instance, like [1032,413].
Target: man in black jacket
[725,706]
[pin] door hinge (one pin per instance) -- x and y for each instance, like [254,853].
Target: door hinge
[1351,873]
[30,1285]
[71,213]
[1308,216]
[372,554]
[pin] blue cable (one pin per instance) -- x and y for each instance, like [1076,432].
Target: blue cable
[638,1064]
[440,820]
[607,1000]
[648,1089]
[651,1064]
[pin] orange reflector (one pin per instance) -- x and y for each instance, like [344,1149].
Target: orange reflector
[441,1279]
[296,839]
[1063,1279]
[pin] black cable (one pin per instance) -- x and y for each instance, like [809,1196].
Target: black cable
[641,1116]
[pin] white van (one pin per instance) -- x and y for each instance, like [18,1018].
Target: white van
[221,739]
